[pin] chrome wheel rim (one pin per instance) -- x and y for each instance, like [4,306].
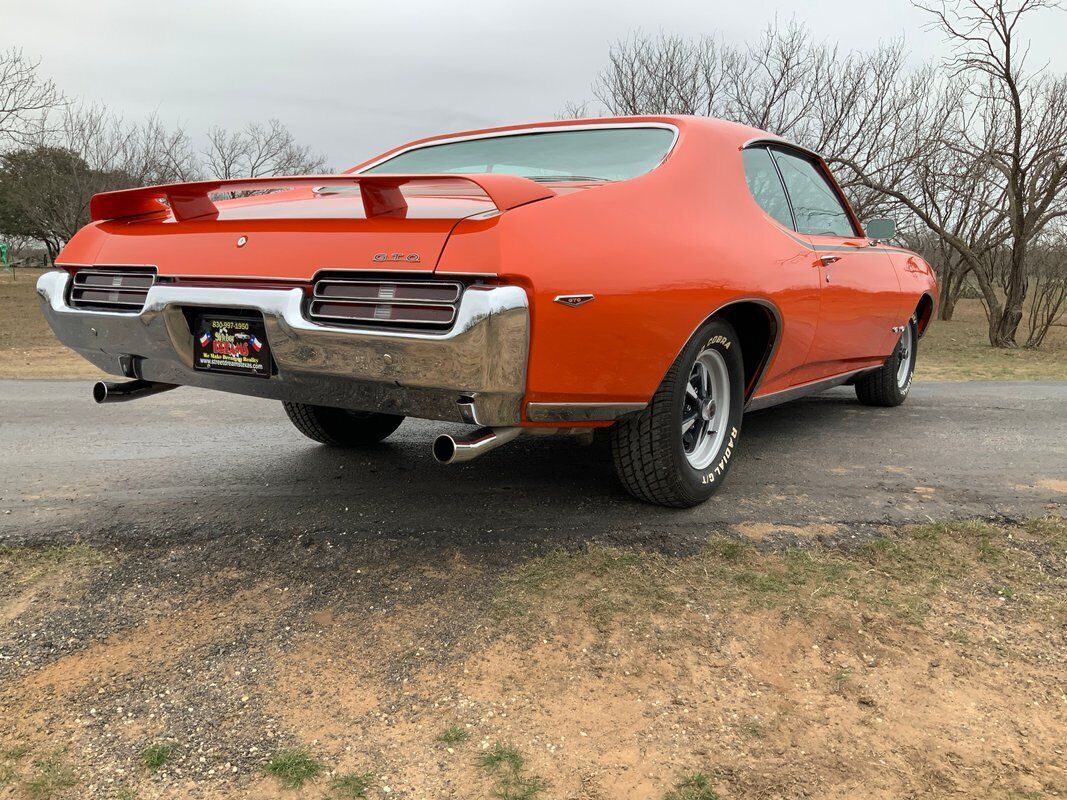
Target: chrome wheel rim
[906,351]
[706,409]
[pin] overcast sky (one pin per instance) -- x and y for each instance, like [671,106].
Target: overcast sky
[354,78]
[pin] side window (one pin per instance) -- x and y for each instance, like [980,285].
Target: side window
[815,203]
[765,185]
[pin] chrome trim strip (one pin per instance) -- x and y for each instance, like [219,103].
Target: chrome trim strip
[143,293]
[76,293]
[383,270]
[480,360]
[316,316]
[803,390]
[580,412]
[83,302]
[838,248]
[108,266]
[88,272]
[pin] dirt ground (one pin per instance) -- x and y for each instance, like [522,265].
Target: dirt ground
[956,350]
[918,662]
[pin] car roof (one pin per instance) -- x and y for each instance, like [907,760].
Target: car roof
[731,133]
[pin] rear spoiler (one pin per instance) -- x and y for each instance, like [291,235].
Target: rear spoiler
[380,192]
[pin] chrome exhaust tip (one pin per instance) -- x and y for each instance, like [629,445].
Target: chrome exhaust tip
[108,392]
[449,449]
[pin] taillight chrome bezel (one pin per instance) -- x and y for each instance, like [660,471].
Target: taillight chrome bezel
[119,290]
[417,303]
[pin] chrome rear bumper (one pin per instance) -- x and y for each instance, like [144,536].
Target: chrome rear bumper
[475,372]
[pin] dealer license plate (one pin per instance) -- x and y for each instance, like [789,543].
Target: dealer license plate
[236,345]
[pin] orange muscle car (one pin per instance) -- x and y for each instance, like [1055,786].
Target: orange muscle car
[656,276]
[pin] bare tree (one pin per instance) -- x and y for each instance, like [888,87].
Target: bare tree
[666,74]
[72,154]
[1010,137]
[24,96]
[258,150]
[1048,282]
[975,154]
[868,113]
[45,186]
[576,110]
[131,154]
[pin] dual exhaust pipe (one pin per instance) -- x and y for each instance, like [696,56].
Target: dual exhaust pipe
[109,392]
[447,449]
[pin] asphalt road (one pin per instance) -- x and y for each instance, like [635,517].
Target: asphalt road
[192,464]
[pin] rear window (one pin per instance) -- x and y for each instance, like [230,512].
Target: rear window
[609,154]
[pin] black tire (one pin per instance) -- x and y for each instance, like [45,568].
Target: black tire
[647,447]
[884,386]
[339,427]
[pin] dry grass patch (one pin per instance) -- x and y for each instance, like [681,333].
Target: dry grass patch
[807,658]
[959,351]
[28,348]
[352,786]
[48,776]
[900,578]
[32,576]
[26,565]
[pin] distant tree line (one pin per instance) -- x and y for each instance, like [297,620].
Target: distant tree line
[969,155]
[56,154]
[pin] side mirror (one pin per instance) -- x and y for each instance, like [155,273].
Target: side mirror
[881,230]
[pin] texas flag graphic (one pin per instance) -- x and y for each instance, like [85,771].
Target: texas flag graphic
[256,343]
[205,339]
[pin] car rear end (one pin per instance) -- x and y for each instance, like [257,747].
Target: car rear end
[311,295]
[327,290]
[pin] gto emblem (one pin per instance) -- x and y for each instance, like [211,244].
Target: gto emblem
[574,300]
[242,241]
[409,257]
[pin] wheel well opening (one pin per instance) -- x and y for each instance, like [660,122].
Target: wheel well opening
[924,312]
[757,327]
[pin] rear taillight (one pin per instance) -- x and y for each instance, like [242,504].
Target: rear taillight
[385,302]
[119,289]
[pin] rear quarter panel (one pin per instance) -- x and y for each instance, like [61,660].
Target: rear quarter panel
[661,253]
[917,278]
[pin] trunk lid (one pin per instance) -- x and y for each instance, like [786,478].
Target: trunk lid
[380,222]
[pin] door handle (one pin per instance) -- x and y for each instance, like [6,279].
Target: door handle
[828,260]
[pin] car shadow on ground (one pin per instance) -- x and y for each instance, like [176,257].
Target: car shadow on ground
[532,486]
[559,472]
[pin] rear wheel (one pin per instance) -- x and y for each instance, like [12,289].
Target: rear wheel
[889,385]
[339,427]
[676,451]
